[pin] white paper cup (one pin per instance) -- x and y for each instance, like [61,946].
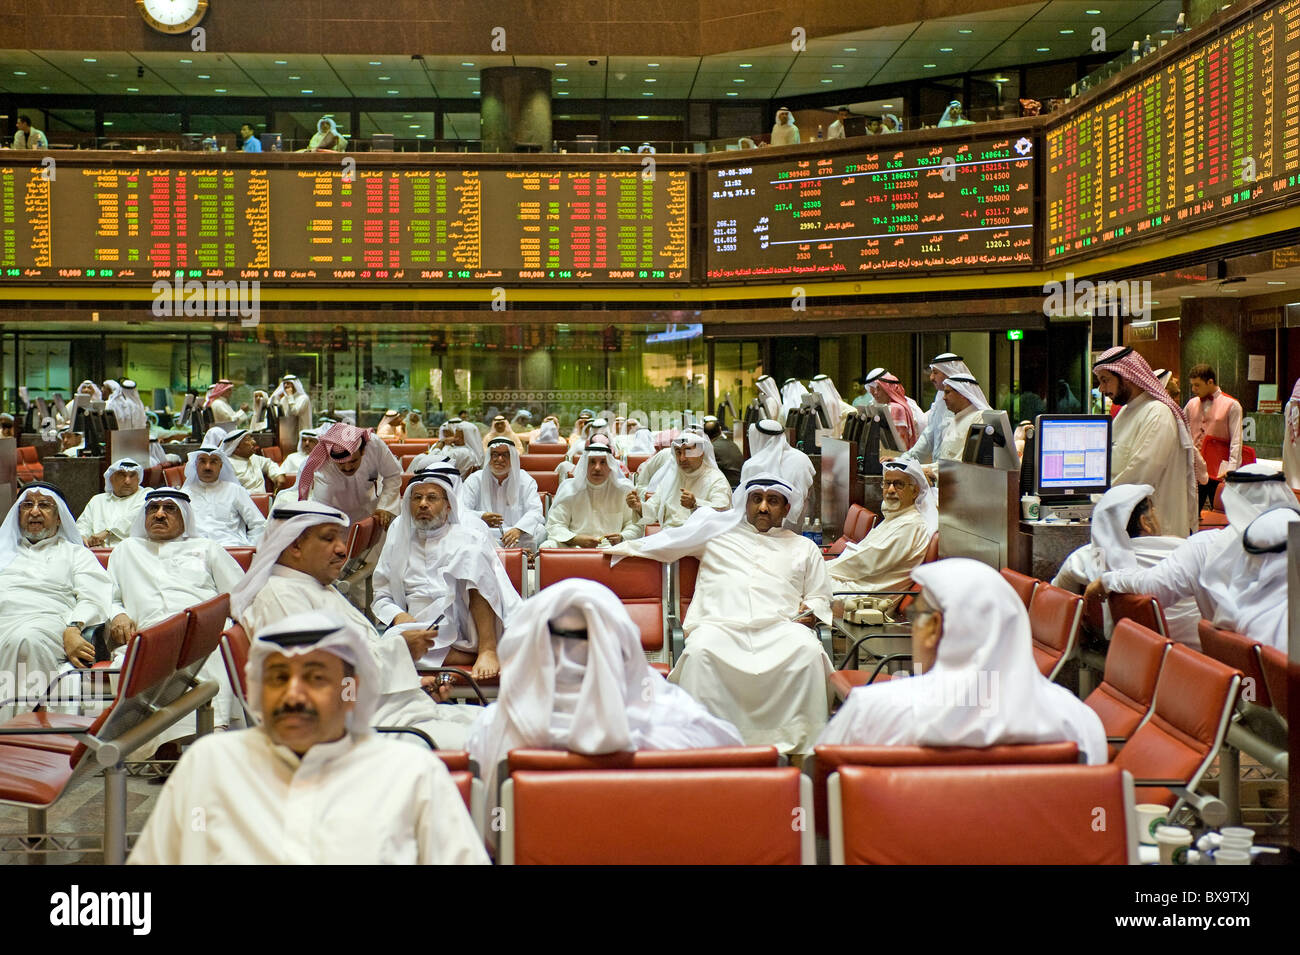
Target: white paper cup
[1150,817]
[1174,843]
[1232,857]
[1238,832]
[1235,842]
[1029,507]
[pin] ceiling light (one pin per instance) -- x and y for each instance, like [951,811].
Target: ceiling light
[219,91]
[112,76]
[745,66]
[309,91]
[413,126]
[1092,13]
[372,62]
[20,73]
[733,94]
[466,63]
[643,117]
[561,64]
[392,92]
[647,94]
[292,77]
[650,79]
[652,65]
[44,87]
[888,106]
[828,81]
[382,78]
[89,59]
[561,79]
[474,92]
[129,89]
[1066,32]
[108,122]
[1044,49]
[965,31]
[929,66]
[408,116]
[945,49]
[277,62]
[837,66]
[737,81]
[850,49]
[187,61]
[208,76]
[562,93]
[1271,282]
[419,136]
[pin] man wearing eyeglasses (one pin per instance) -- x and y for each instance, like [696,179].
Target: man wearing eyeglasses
[884,559]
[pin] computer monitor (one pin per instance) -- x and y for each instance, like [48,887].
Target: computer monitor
[813,401]
[991,441]
[1072,455]
[877,431]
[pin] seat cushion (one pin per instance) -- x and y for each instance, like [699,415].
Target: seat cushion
[35,777]
[46,720]
[843,681]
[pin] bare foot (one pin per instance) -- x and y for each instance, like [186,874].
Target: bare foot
[486,666]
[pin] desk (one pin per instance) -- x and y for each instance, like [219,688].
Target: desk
[79,479]
[1050,542]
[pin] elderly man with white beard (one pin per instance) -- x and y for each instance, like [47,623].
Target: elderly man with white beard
[590,508]
[223,511]
[751,657]
[885,558]
[675,492]
[310,784]
[162,569]
[297,564]
[51,589]
[107,518]
[442,580]
[505,498]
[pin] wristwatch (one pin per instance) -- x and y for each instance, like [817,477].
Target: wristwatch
[79,624]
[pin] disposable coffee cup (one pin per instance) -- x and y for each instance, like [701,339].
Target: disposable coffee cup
[1151,816]
[1029,507]
[1232,857]
[1235,842]
[1238,832]
[1174,843]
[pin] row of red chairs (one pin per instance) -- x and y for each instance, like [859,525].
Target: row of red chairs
[43,755]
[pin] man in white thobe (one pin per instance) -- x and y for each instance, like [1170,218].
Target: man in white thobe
[575,678]
[294,406]
[51,589]
[459,442]
[504,498]
[223,511]
[1236,574]
[590,508]
[162,569]
[977,683]
[771,453]
[751,656]
[254,472]
[836,407]
[222,413]
[441,578]
[312,784]
[962,396]
[295,569]
[294,461]
[1126,536]
[1151,443]
[108,516]
[353,472]
[127,407]
[885,558]
[926,449]
[692,481]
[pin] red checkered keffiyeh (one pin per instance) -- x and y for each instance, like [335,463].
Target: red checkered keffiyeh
[340,440]
[218,390]
[1127,364]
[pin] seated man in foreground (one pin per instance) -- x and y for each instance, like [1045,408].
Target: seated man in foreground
[162,569]
[51,589]
[576,678]
[108,516]
[978,683]
[312,784]
[440,582]
[883,560]
[751,657]
[294,572]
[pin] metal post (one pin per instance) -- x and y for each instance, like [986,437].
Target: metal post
[37,827]
[115,814]
[1230,782]
[206,719]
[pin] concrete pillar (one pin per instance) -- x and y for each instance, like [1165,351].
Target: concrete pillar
[515,109]
[1212,332]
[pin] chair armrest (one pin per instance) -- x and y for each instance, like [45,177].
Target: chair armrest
[676,641]
[44,731]
[852,652]
[888,659]
[1117,739]
[407,729]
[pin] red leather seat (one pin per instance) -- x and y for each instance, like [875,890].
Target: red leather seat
[1180,738]
[1274,664]
[537,447]
[361,537]
[639,582]
[516,565]
[620,817]
[829,759]
[634,461]
[1140,608]
[402,448]
[548,482]
[456,760]
[234,654]
[1128,687]
[932,551]
[540,462]
[986,815]
[1241,653]
[263,502]
[857,524]
[1022,584]
[174,477]
[407,459]
[724,757]
[272,452]
[102,554]
[243,556]
[152,477]
[1054,616]
[28,464]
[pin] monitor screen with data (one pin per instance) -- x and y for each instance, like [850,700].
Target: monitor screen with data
[1073,454]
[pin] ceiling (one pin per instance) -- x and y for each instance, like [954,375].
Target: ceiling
[1030,33]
